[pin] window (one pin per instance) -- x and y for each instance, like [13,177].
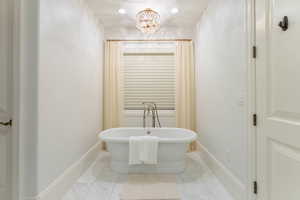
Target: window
[149,77]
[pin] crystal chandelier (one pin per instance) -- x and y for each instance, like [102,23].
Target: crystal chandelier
[148,21]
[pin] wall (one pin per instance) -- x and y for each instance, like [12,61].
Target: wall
[117,33]
[69,86]
[221,84]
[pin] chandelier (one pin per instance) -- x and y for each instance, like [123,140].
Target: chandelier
[148,21]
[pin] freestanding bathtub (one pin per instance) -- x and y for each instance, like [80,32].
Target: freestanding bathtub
[172,148]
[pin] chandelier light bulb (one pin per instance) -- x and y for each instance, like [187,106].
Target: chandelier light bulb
[122,11]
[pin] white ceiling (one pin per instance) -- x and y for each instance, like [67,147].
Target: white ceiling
[177,25]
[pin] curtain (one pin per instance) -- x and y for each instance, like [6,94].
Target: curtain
[113,103]
[185,86]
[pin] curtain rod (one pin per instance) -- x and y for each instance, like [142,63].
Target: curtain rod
[154,40]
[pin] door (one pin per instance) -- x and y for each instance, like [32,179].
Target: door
[5,100]
[278,99]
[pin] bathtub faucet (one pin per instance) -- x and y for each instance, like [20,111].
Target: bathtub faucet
[150,108]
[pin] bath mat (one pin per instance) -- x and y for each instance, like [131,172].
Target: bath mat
[150,187]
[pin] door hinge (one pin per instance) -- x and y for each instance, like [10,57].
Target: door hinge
[255,187]
[254,51]
[254,119]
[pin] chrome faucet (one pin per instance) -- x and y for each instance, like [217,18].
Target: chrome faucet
[151,108]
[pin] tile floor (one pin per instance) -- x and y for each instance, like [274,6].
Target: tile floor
[99,182]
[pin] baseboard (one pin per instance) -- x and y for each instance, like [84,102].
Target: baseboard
[226,177]
[61,185]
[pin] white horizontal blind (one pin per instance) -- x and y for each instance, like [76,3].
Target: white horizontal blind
[149,77]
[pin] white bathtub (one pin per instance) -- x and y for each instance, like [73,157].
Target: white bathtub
[172,148]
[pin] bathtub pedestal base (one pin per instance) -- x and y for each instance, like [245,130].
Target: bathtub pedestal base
[170,167]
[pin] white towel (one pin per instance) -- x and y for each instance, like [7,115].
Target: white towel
[134,150]
[143,150]
[148,152]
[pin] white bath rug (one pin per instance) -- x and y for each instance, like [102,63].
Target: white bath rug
[150,187]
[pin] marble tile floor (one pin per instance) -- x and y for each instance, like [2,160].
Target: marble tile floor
[99,182]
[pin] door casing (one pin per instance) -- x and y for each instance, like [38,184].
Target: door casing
[250,30]
[25,59]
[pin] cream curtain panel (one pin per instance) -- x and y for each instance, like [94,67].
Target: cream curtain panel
[113,101]
[185,86]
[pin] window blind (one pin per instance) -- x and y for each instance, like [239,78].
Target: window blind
[149,77]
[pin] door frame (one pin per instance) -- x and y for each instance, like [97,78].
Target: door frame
[15,116]
[25,62]
[251,98]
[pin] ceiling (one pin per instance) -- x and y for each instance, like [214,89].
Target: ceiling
[117,25]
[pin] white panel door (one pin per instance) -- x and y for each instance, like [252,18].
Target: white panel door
[278,100]
[5,100]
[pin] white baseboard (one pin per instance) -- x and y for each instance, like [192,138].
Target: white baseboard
[62,184]
[227,178]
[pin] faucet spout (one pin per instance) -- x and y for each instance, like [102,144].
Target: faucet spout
[150,108]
